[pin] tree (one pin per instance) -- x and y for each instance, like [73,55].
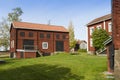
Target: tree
[99,36]
[5,26]
[14,16]
[72,40]
[4,41]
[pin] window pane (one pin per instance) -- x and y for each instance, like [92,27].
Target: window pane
[57,36]
[28,44]
[91,43]
[22,34]
[64,36]
[30,34]
[110,27]
[48,35]
[44,45]
[91,30]
[41,35]
[99,27]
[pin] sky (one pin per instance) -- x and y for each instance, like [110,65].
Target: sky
[59,12]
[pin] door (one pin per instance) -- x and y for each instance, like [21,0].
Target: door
[21,54]
[11,55]
[59,46]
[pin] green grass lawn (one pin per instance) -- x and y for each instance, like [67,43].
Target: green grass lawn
[56,67]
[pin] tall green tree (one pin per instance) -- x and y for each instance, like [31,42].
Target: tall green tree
[5,26]
[15,14]
[98,37]
[72,40]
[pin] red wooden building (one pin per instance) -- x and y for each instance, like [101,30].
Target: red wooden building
[30,40]
[103,22]
[116,36]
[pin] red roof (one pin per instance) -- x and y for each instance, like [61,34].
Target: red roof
[34,26]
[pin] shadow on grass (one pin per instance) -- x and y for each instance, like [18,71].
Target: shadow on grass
[39,72]
[7,61]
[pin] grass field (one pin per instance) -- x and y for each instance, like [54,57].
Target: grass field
[56,67]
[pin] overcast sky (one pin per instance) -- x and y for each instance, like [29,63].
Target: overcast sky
[59,12]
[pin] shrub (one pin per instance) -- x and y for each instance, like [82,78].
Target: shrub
[82,50]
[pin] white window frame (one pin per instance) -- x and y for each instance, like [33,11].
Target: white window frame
[91,30]
[91,42]
[104,25]
[99,26]
[44,45]
[12,44]
[109,27]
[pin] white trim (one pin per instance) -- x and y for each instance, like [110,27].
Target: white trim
[91,30]
[104,25]
[12,43]
[91,42]
[99,26]
[30,51]
[109,27]
[22,50]
[44,45]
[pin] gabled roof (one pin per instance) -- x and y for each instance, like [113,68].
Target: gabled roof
[100,19]
[34,26]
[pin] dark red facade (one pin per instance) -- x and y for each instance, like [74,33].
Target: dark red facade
[24,43]
[116,23]
[97,23]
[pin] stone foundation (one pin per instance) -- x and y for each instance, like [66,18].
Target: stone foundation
[117,65]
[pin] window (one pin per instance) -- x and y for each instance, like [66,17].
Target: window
[44,45]
[91,30]
[30,34]
[64,37]
[110,27]
[28,44]
[59,46]
[99,27]
[91,42]
[57,36]
[12,44]
[41,35]
[22,34]
[48,35]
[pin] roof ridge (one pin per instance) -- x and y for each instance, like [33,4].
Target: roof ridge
[38,24]
[99,19]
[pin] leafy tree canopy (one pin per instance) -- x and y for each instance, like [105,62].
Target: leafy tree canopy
[72,40]
[15,14]
[99,36]
[5,26]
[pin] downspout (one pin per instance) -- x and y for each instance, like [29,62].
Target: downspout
[16,37]
[53,42]
[37,41]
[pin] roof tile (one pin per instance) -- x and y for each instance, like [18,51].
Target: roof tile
[33,26]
